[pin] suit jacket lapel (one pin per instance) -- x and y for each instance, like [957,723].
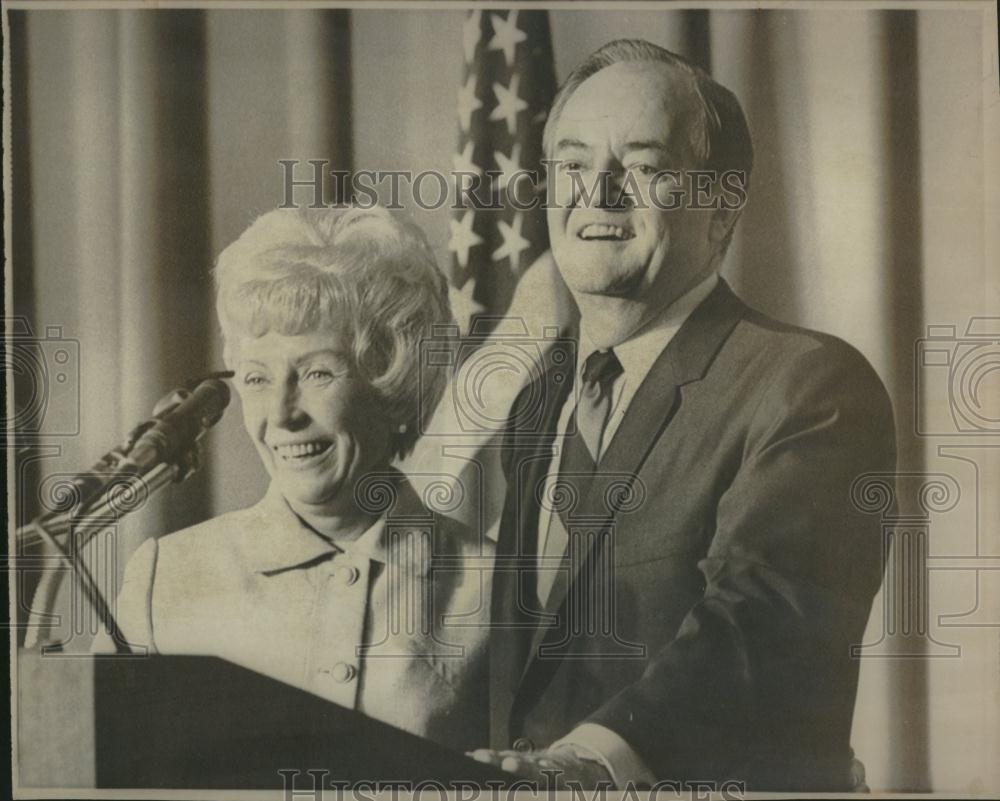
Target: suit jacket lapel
[686,358]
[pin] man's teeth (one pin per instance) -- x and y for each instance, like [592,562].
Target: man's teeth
[300,450]
[604,231]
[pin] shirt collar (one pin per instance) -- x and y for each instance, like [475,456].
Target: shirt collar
[638,353]
[281,540]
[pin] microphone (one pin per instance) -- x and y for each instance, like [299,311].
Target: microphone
[179,421]
[86,486]
[168,438]
[173,434]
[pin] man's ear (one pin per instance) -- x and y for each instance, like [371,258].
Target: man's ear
[721,229]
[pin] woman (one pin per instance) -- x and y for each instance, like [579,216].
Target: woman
[340,581]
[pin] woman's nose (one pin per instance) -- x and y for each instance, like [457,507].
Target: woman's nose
[285,410]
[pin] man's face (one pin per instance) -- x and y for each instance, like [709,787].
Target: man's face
[631,121]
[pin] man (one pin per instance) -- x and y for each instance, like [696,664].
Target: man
[680,571]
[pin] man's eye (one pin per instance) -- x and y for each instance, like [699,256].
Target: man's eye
[647,170]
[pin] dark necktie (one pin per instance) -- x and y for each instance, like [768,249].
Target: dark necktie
[581,451]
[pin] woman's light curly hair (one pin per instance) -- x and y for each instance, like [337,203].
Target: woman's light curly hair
[371,275]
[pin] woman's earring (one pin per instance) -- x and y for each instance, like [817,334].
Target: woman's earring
[402,428]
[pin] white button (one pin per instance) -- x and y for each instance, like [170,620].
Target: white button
[343,672]
[349,574]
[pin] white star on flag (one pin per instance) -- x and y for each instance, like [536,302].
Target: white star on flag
[470,35]
[513,242]
[509,166]
[468,102]
[506,83]
[506,35]
[463,238]
[462,162]
[463,306]
[509,105]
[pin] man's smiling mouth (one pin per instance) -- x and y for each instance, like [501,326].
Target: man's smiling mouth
[606,233]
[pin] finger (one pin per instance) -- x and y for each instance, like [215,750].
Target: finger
[511,764]
[483,755]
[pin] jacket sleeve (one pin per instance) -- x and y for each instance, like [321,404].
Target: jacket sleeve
[789,578]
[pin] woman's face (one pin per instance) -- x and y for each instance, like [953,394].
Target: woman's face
[315,424]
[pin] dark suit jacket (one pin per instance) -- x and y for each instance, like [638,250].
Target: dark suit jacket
[719,571]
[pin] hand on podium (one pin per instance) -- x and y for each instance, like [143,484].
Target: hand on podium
[559,765]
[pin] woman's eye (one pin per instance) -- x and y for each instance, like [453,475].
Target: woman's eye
[318,375]
[254,380]
[570,166]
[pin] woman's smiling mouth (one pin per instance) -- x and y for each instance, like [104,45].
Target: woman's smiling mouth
[302,454]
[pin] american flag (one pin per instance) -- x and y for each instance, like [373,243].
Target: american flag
[508,82]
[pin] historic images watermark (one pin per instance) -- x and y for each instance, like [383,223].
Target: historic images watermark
[953,379]
[496,349]
[314,184]
[70,535]
[45,369]
[932,520]
[958,378]
[316,784]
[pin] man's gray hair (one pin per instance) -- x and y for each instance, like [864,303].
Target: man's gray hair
[721,142]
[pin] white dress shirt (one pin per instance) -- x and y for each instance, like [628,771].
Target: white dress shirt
[636,356]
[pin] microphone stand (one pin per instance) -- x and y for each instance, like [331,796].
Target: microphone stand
[80,531]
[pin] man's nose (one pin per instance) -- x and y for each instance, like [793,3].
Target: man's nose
[613,195]
[607,189]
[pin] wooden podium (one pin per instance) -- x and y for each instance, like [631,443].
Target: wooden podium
[203,723]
